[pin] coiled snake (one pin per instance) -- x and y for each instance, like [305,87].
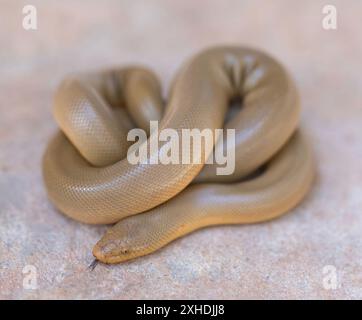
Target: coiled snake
[88,177]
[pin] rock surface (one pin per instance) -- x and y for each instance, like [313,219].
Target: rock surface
[285,258]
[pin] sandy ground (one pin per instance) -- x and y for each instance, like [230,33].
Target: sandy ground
[284,258]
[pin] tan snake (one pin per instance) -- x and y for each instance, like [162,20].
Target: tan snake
[88,177]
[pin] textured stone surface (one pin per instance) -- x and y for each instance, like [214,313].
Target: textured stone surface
[280,259]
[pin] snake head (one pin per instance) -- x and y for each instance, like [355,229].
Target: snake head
[128,239]
[108,250]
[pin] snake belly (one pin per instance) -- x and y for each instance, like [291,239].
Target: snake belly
[88,177]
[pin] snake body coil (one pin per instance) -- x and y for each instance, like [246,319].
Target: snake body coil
[89,178]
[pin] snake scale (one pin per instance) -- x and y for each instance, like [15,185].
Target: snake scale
[88,177]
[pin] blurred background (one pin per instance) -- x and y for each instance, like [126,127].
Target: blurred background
[297,256]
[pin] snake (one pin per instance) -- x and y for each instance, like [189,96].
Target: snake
[88,177]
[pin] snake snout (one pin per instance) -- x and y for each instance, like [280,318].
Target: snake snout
[111,252]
